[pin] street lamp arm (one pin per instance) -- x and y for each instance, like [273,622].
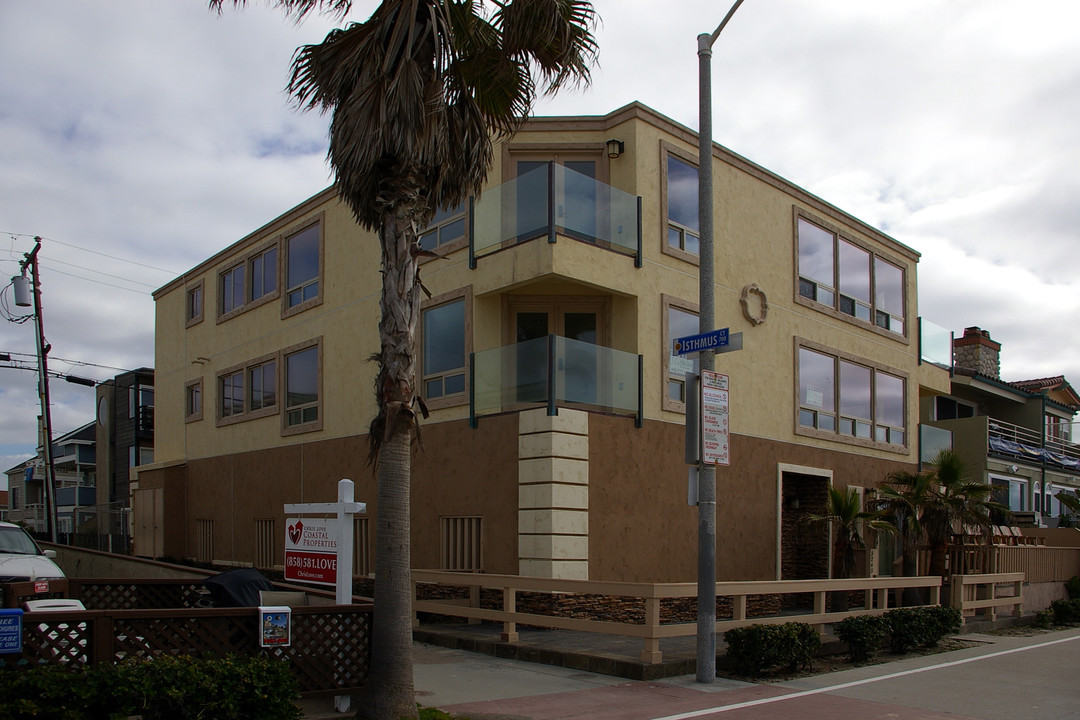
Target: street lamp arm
[720,28]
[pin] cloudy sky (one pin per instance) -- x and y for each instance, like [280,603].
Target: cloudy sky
[138,138]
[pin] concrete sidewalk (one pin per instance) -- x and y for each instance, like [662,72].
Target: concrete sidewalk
[926,687]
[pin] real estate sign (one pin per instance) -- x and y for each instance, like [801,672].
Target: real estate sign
[311,550]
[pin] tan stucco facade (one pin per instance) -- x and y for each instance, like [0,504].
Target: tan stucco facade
[582,494]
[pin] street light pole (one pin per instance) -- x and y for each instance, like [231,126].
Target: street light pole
[706,566]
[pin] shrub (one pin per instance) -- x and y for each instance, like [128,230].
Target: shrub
[1065,611]
[161,688]
[757,649]
[911,628]
[863,634]
[1073,587]
[1044,618]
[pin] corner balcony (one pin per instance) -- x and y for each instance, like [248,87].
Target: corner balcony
[1020,443]
[555,372]
[553,201]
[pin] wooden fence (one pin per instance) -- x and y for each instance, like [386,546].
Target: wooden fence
[329,654]
[1037,562]
[649,625]
[980,595]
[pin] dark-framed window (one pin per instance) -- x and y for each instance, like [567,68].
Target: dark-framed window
[848,278]
[303,266]
[683,232]
[446,226]
[193,401]
[263,270]
[262,385]
[231,394]
[302,396]
[850,398]
[231,285]
[193,301]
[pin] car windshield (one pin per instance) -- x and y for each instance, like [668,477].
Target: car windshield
[14,540]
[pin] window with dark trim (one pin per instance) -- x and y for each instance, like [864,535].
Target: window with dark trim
[302,406]
[262,386]
[303,266]
[231,394]
[842,275]
[193,312]
[263,269]
[445,227]
[850,398]
[193,401]
[232,289]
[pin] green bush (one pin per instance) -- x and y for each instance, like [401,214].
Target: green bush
[757,649]
[1073,587]
[916,627]
[1065,611]
[1044,618]
[863,634]
[162,688]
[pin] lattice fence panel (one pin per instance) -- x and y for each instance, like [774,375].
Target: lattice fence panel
[329,651]
[49,639]
[141,595]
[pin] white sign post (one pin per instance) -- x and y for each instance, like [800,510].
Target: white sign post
[715,440]
[342,562]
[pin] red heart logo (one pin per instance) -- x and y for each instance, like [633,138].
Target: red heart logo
[296,531]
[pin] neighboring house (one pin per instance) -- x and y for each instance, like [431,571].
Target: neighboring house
[74,466]
[125,439]
[1017,436]
[561,290]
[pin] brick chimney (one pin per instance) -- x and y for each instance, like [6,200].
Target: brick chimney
[976,351]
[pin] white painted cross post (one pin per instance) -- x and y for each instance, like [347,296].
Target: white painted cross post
[345,508]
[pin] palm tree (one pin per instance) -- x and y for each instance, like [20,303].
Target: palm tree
[416,94]
[902,497]
[844,513]
[1072,505]
[956,502]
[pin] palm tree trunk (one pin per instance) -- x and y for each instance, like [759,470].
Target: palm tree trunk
[910,566]
[388,694]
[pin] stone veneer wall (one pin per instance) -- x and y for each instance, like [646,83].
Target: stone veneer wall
[976,351]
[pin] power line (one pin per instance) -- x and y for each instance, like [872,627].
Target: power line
[95,252]
[71,362]
[116,277]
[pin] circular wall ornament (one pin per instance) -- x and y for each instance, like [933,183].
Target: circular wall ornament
[755,306]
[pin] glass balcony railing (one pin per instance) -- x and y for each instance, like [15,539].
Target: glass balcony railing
[933,440]
[935,344]
[551,201]
[555,372]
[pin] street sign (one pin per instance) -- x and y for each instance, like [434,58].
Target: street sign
[703,341]
[720,341]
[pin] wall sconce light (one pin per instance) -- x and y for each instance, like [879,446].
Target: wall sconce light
[615,148]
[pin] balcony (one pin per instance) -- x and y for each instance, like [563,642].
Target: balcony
[555,372]
[554,201]
[935,344]
[1020,443]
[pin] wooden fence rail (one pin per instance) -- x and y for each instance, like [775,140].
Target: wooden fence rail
[651,629]
[1038,562]
[979,594]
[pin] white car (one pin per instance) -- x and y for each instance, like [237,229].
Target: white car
[21,559]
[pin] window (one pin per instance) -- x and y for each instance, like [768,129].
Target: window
[850,279]
[231,388]
[680,319]
[194,304]
[681,200]
[302,388]
[232,289]
[445,227]
[146,455]
[846,397]
[1036,498]
[947,408]
[443,359]
[264,270]
[303,266]
[262,386]
[1058,428]
[461,543]
[193,401]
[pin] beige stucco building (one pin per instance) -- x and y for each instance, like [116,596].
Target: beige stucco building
[560,290]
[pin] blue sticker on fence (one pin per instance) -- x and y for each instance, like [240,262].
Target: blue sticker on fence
[11,630]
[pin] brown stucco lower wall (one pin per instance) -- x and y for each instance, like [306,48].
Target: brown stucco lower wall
[459,472]
[641,528]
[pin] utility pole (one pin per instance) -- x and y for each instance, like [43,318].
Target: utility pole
[43,348]
[706,566]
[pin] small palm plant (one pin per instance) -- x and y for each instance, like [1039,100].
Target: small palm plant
[847,519]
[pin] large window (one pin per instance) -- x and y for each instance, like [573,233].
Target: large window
[248,391]
[446,227]
[680,320]
[681,197]
[846,397]
[303,266]
[443,352]
[841,275]
[302,388]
